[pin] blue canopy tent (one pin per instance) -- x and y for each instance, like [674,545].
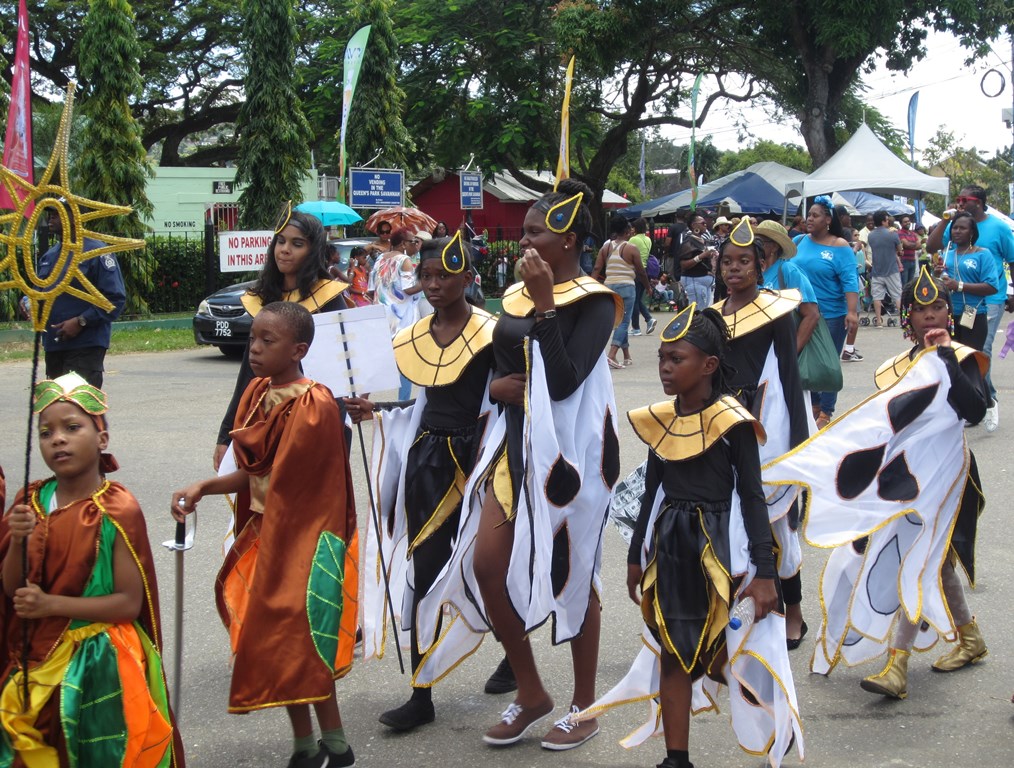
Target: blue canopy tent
[867,202]
[760,186]
[751,193]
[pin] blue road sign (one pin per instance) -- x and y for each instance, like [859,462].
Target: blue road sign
[471,190]
[376,188]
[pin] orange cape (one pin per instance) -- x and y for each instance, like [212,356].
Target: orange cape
[262,590]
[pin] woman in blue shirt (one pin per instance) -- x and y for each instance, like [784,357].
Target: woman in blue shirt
[827,260]
[780,273]
[971,274]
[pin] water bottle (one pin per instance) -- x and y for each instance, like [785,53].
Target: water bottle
[742,614]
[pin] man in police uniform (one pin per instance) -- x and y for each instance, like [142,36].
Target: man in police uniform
[79,332]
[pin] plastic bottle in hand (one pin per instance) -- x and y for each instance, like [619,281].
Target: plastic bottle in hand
[949,214]
[742,614]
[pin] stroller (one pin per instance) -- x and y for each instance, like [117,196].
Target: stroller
[888,309]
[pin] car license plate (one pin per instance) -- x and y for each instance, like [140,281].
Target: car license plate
[222,328]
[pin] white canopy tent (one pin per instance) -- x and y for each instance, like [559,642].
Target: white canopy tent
[865,163]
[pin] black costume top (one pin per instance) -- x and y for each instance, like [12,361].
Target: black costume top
[767,321]
[571,343]
[699,457]
[454,375]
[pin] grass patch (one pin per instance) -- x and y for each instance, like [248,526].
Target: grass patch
[124,342]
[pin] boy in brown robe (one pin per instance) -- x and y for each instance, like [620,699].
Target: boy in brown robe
[290,579]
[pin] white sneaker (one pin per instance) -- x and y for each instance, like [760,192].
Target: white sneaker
[635,332]
[992,420]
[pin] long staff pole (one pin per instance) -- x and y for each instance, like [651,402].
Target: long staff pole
[24,542]
[373,506]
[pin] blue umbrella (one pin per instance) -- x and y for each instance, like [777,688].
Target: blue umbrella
[330,212]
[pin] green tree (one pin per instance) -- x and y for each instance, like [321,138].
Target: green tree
[485,77]
[273,133]
[790,155]
[376,120]
[112,166]
[946,155]
[812,55]
[191,74]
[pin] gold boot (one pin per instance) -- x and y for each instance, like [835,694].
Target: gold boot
[892,680]
[971,649]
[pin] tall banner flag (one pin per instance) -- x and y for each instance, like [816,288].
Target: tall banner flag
[18,155]
[693,141]
[643,185]
[563,164]
[913,106]
[353,63]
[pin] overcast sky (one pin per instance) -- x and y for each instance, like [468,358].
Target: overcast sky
[949,95]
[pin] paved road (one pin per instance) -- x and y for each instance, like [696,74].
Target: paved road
[165,411]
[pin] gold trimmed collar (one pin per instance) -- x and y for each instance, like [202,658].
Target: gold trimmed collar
[769,305]
[324,291]
[677,438]
[427,364]
[517,302]
[893,369]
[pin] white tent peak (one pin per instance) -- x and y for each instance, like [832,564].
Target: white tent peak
[865,163]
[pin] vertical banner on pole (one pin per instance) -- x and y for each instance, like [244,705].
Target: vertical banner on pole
[563,164]
[913,106]
[350,75]
[693,141]
[18,155]
[643,186]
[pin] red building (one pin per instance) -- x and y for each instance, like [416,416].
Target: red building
[505,202]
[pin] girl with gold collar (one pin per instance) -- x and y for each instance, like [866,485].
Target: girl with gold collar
[295,269]
[424,452]
[530,542]
[701,541]
[762,351]
[97,692]
[926,319]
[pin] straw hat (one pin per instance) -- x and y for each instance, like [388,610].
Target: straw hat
[775,231]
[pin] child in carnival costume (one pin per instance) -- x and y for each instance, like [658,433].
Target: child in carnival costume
[423,454]
[896,496]
[762,352]
[702,541]
[97,693]
[290,578]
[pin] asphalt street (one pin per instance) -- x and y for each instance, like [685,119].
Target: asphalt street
[165,411]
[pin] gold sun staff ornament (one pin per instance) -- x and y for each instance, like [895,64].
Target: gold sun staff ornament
[32,201]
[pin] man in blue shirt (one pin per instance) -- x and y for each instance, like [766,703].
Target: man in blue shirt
[995,236]
[79,332]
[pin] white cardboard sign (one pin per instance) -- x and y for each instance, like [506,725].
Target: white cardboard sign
[367,365]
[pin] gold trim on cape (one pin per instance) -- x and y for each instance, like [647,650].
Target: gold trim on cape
[324,291]
[893,369]
[769,305]
[425,363]
[677,438]
[517,302]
